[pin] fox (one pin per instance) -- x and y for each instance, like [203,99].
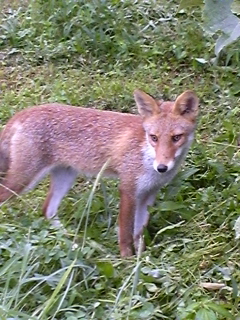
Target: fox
[144,151]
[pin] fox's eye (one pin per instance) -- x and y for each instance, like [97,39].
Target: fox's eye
[154,138]
[176,138]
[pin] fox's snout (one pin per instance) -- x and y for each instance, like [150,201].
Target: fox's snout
[162,167]
[166,164]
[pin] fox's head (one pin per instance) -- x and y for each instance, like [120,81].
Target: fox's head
[169,126]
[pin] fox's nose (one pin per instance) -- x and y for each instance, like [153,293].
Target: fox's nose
[162,168]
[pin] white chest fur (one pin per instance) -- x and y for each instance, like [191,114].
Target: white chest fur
[151,180]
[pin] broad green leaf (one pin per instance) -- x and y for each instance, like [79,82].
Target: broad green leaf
[106,268]
[219,17]
[216,14]
[146,311]
[151,287]
[171,205]
[192,307]
[205,314]
[188,172]
[227,39]
[221,310]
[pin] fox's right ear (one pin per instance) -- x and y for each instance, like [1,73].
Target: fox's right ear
[147,105]
[186,105]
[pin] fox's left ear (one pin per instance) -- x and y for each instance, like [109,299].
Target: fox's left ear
[186,105]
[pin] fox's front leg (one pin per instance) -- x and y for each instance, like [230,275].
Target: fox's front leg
[141,219]
[126,221]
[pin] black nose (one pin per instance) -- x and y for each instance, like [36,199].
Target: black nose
[162,168]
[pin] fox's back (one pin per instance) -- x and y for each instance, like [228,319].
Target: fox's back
[81,137]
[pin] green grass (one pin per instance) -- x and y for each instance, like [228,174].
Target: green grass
[96,53]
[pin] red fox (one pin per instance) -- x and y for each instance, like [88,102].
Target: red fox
[144,151]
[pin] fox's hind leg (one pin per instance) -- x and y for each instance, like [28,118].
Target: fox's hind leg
[19,178]
[11,186]
[62,179]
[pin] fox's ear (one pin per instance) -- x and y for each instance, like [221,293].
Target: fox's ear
[147,105]
[186,105]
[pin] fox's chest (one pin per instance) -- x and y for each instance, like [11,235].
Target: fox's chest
[150,180]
